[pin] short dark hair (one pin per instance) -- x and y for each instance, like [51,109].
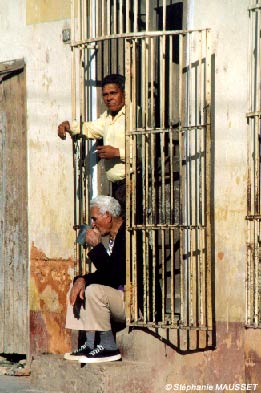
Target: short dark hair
[118,79]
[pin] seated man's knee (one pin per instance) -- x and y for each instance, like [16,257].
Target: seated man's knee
[93,291]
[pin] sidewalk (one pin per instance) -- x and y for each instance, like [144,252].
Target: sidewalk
[10,384]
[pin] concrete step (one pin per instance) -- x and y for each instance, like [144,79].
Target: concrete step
[54,374]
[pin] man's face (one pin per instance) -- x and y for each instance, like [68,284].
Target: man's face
[113,97]
[101,222]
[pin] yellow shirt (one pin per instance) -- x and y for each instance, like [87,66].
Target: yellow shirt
[112,130]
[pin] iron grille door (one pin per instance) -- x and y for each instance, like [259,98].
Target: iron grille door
[168,150]
[168,142]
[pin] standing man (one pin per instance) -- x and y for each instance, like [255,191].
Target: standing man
[102,292]
[110,127]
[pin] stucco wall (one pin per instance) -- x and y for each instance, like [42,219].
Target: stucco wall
[33,31]
[228,21]
[48,87]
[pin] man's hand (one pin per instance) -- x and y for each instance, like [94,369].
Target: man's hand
[78,289]
[63,128]
[93,237]
[108,152]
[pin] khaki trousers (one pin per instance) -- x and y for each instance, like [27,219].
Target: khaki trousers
[101,304]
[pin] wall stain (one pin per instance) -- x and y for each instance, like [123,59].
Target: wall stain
[49,283]
[220,255]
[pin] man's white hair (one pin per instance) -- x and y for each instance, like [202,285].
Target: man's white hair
[107,204]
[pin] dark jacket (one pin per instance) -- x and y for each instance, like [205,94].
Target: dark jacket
[111,269]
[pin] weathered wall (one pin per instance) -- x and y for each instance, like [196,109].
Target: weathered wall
[228,22]
[33,31]
[49,284]
[48,76]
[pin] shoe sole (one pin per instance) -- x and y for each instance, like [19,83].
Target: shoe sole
[68,356]
[86,360]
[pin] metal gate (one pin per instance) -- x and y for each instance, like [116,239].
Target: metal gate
[168,151]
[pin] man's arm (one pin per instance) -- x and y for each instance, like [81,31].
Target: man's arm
[91,129]
[107,152]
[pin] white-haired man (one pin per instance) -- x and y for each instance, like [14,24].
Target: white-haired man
[102,291]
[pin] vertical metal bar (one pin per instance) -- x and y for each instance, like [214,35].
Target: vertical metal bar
[163,272]
[152,135]
[145,57]
[256,169]
[134,125]
[102,18]
[90,14]
[201,278]
[251,282]
[108,17]
[153,216]
[172,275]
[129,234]
[171,175]
[80,93]
[121,18]
[134,201]
[135,277]
[201,152]
[143,120]
[73,75]
[181,171]
[250,209]
[258,103]
[115,17]
[257,107]
[249,184]
[171,133]
[256,271]
[248,280]
[200,131]
[147,8]
[164,13]
[208,182]
[97,19]
[127,16]
[198,293]
[85,216]
[79,31]
[162,125]
[144,255]
[75,144]
[187,182]
[135,21]
[190,277]
[144,178]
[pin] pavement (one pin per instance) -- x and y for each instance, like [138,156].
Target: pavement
[9,384]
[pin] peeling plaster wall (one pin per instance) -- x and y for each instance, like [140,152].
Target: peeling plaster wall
[47,10]
[48,78]
[49,284]
[34,32]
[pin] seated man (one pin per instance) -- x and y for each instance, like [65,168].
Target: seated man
[102,291]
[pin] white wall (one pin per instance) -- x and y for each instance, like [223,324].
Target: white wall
[48,76]
[228,21]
